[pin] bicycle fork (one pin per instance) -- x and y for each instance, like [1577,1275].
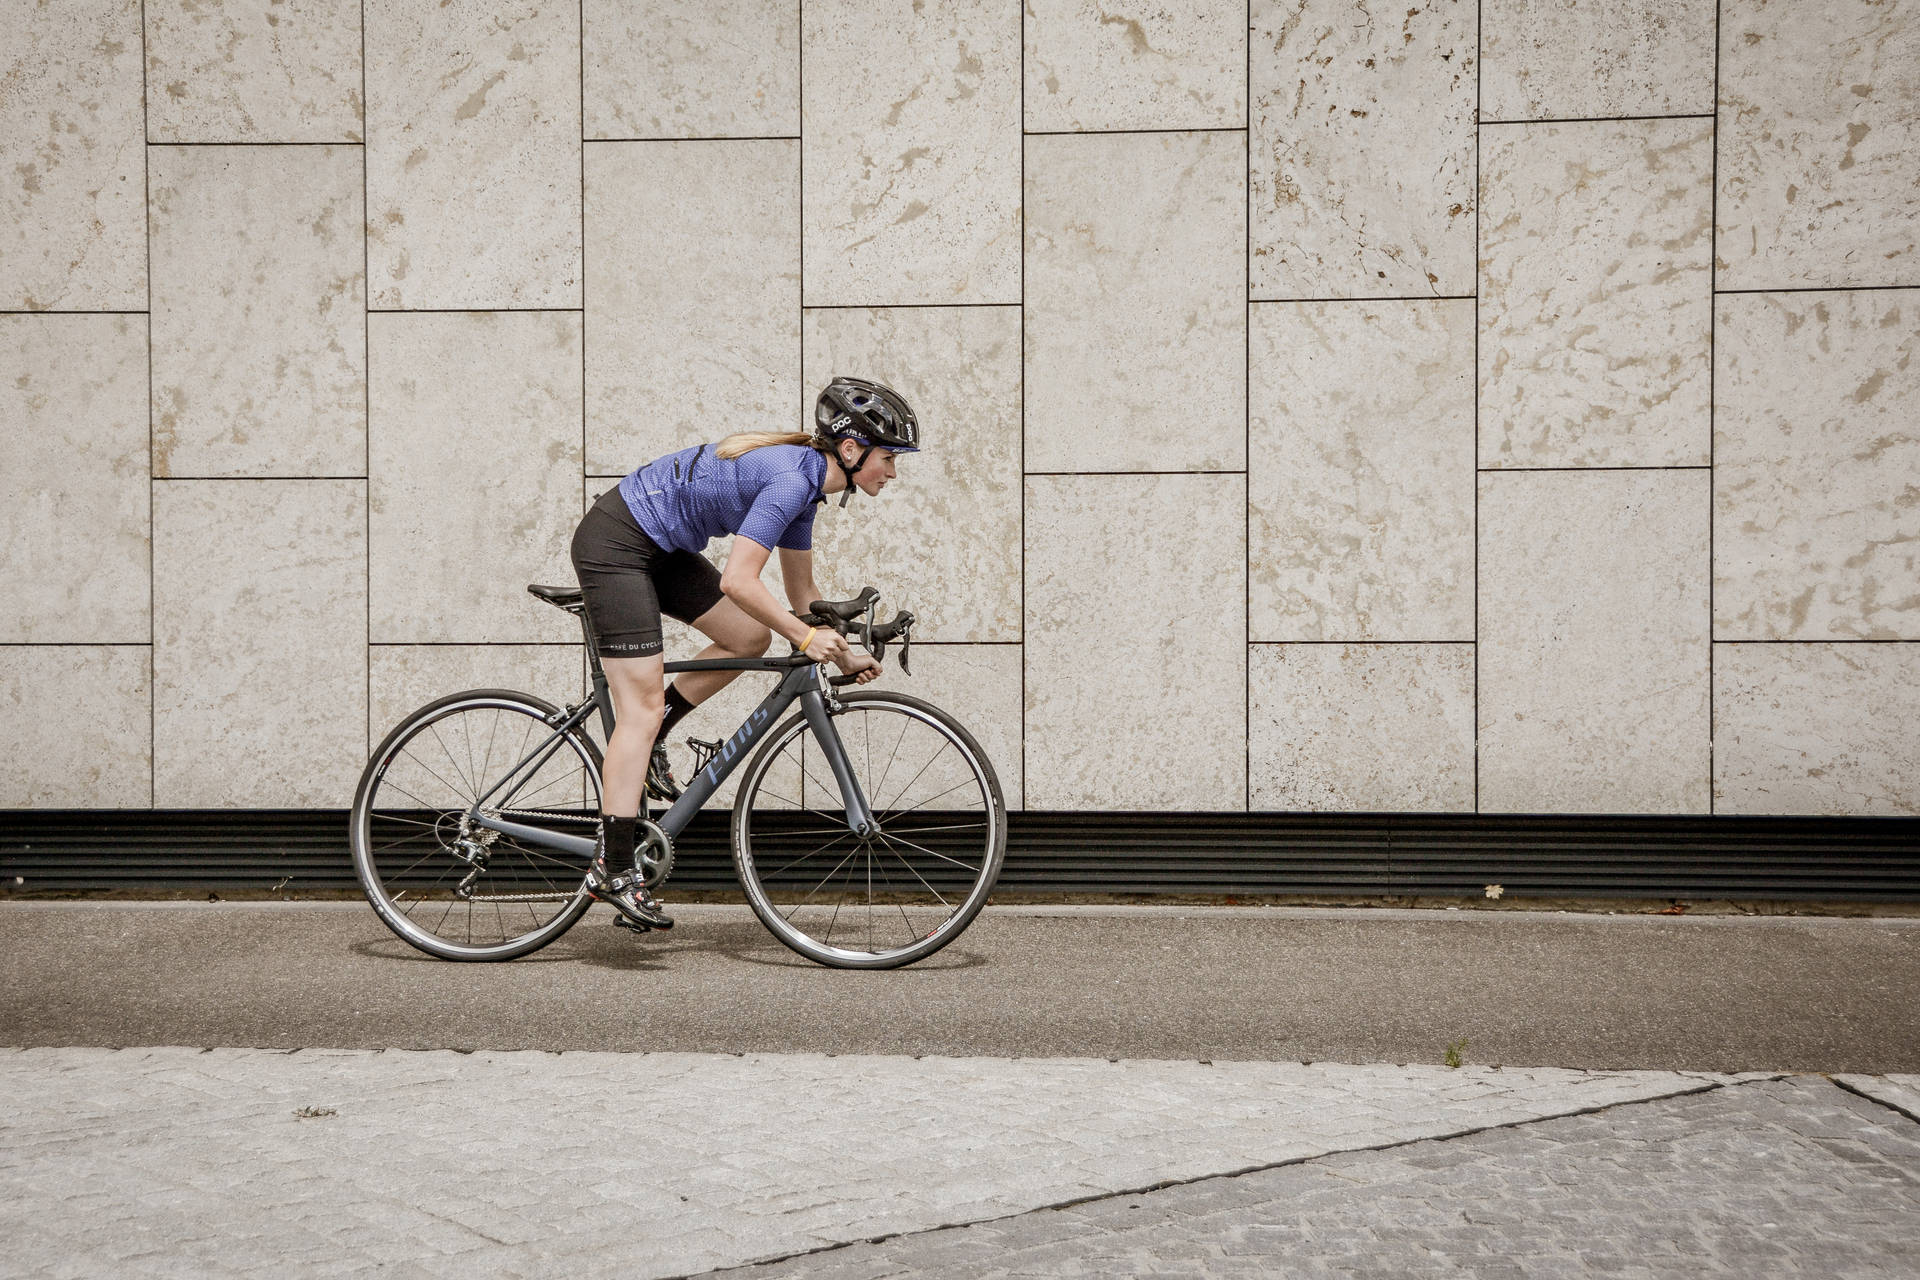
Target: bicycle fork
[860,819]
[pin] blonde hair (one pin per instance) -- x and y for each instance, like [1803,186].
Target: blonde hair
[741,441]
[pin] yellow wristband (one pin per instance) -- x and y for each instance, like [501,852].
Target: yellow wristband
[809,639]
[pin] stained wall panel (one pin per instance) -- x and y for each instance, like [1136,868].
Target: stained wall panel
[1135,707]
[1136,302]
[259,311]
[253,71]
[1593,642]
[694,314]
[1362,154]
[913,164]
[260,643]
[473,154]
[1581,61]
[1816,466]
[666,69]
[1816,728]
[76,725]
[72,222]
[942,539]
[1361,727]
[474,447]
[1818,129]
[1171,64]
[74,485]
[1360,482]
[1596,304]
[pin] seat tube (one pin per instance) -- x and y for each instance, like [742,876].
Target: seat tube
[859,817]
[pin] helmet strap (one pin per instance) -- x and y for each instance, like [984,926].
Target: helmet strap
[858,463]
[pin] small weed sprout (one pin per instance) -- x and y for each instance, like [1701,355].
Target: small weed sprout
[1454,1050]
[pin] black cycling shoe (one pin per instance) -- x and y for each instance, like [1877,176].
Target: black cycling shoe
[627,894]
[660,783]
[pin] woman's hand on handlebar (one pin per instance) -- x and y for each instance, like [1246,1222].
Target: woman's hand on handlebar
[828,645]
[863,665]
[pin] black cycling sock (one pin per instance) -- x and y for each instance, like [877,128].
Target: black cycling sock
[622,834]
[677,706]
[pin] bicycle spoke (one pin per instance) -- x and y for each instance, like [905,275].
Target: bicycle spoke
[453,765]
[932,853]
[916,874]
[938,751]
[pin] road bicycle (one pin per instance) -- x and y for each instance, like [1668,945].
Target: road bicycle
[867,831]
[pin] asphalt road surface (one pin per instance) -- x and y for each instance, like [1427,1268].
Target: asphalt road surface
[1720,993]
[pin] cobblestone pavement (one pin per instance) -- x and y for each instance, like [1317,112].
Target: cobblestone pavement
[1790,1177]
[181,1161]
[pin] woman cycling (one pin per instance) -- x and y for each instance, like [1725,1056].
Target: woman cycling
[637,555]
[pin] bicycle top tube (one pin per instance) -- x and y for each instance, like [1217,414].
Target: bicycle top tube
[739,664]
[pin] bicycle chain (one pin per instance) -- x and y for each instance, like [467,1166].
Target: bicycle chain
[661,869]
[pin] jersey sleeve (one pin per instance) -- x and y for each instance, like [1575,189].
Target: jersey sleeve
[782,514]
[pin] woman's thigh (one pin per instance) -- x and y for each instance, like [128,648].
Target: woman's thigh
[733,628]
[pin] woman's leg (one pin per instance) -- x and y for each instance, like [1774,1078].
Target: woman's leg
[735,634]
[638,704]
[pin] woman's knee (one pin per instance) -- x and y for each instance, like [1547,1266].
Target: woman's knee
[752,643]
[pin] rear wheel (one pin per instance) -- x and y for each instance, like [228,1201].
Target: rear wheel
[454,889]
[900,894]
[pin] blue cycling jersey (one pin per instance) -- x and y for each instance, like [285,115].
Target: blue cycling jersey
[768,494]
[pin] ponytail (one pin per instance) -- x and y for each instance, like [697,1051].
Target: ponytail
[741,441]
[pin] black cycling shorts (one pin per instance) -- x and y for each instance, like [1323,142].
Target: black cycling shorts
[628,581]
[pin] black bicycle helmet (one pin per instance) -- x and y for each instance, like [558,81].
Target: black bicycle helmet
[875,415]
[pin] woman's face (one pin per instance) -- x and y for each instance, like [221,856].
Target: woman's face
[875,472]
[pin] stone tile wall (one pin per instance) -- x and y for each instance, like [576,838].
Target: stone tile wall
[1469,407]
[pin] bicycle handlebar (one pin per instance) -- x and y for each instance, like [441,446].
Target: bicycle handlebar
[841,616]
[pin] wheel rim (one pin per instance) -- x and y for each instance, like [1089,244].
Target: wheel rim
[896,896]
[450,887]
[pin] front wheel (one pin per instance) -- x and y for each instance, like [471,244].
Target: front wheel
[446,885]
[900,894]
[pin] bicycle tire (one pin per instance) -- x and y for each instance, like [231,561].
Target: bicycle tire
[396,891]
[770,887]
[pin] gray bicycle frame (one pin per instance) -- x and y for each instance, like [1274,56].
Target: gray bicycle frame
[803,684]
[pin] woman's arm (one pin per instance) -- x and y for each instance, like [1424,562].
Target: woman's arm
[796,570]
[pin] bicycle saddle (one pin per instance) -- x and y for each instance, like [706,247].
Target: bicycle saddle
[559,597]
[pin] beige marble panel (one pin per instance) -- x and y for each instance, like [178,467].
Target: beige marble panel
[1816,728]
[474,446]
[473,154]
[666,69]
[1593,642]
[74,488]
[1596,293]
[405,677]
[1611,58]
[1361,727]
[1136,302]
[1362,471]
[260,642]
[1135,638]
[1817,137]
[943,539]
[259,311]
[1362,153]
[1817,466]
[694,316]
[253,71]
[912,162]
[76,725]
[72,205]
[1137,64]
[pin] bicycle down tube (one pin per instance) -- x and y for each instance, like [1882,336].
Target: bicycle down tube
[801,684]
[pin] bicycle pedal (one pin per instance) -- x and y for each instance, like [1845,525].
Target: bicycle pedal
[621,922]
